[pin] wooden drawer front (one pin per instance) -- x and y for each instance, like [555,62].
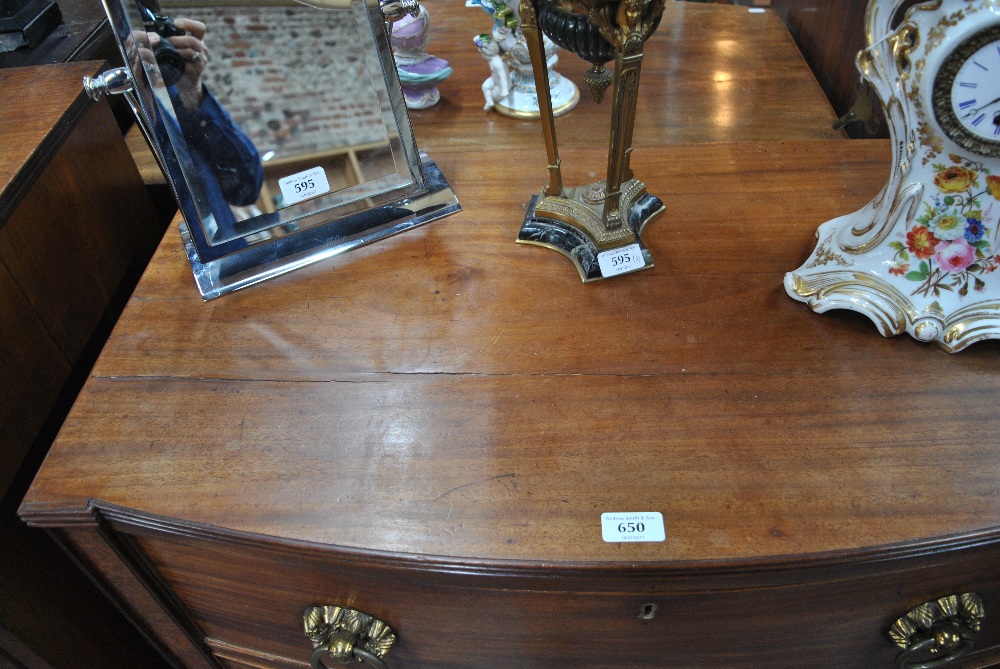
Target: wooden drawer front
[252,597]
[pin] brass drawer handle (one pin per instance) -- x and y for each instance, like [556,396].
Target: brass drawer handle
[356,654]
[345,636]
[947,625]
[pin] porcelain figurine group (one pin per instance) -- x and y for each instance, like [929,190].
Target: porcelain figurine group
[510,87]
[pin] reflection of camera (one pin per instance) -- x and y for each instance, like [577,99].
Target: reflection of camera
[167,57]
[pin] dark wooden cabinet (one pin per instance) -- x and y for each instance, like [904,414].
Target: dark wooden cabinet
[76,229]
[82,34]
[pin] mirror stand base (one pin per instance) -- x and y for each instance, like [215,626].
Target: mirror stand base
[266,260]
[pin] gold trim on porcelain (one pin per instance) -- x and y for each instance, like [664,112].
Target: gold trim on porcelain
[909,197]
[890,310]
[816,288]
[564,108]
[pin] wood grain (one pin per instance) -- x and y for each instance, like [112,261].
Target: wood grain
[29,353]
[465,386]
[711,74]
[469,300]
[75,223]
[80,227]
[68,234]
[579,619]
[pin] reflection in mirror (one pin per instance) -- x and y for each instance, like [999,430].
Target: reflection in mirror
[288,90]
[273,119]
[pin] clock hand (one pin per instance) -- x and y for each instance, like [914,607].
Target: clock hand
[979,109]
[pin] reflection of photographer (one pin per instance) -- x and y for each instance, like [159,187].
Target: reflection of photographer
[178,42]
[169,60]
[226,160]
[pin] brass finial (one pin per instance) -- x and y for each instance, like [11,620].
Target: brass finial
[598,78]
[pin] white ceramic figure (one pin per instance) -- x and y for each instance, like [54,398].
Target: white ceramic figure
[923,256]
[510,66]
[497,86]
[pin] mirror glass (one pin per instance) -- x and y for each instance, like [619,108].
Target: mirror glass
[272,119]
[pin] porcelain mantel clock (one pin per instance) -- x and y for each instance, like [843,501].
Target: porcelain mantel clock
[924,255]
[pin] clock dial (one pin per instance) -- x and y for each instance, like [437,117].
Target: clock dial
[966,95]
[975,93]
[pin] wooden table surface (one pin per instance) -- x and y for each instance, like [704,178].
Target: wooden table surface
[711,73]
[449,393]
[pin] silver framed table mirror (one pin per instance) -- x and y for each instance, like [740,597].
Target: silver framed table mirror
[281,128]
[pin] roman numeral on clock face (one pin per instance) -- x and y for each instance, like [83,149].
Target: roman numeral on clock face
[967,92]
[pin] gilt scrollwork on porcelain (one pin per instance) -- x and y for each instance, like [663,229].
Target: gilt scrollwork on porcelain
[825,255]
[346,636]
[886,307]
[937,633]
[883,64]
[924,252]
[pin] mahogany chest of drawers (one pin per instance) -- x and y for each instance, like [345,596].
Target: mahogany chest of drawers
[429,430]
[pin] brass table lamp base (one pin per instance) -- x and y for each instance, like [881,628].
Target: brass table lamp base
[573,226]
[599,226]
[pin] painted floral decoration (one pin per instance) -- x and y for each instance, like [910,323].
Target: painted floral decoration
[952,244]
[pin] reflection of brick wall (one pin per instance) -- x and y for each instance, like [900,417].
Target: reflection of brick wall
[294,78]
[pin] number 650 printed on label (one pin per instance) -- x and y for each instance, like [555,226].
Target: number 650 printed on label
[637,526]
[304,185]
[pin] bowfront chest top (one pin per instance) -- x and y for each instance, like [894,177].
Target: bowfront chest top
[429,429]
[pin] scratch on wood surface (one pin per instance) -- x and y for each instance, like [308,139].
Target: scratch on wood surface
[512,475]
[237,443]
[497,253]
[494,252]
[318,416]
[499,334]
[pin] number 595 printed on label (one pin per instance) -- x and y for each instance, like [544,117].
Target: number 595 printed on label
[304,185]
[621,260]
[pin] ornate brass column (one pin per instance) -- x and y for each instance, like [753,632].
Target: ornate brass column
[536,47]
